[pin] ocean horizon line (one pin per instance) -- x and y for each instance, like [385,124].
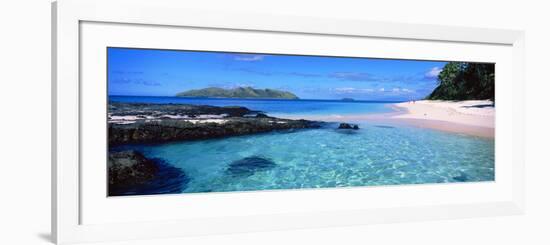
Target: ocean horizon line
[265,99]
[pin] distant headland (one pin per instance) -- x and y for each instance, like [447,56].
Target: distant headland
[239,92]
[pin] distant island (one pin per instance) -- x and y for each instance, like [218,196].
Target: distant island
[239,92]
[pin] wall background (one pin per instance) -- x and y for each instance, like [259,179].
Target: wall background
[25,122]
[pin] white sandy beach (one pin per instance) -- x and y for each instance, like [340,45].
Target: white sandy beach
[474,117]
[479,113]
[471,117]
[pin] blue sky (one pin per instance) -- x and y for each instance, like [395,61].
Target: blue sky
[166,72]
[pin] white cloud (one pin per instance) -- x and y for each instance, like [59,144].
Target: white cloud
[345,90]
[349,90]
[248,57]
[402,90]
[371,91]
[433,73]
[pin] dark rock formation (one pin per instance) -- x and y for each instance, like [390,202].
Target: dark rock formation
[249,165]
[207,122]
[348,126]
[158,110]
[130,168]
[170,130]
[131,173]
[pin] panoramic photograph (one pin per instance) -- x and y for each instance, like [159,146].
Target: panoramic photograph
[208,121]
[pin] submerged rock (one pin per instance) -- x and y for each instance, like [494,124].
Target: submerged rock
[383,126]
[461,178]
[249,165]
[131,173]
[348,126]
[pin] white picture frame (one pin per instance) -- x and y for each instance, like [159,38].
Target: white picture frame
[68,17]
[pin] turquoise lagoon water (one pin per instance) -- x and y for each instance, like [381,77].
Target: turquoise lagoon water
[377,154]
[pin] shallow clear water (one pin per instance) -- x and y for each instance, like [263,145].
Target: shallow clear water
[374,155]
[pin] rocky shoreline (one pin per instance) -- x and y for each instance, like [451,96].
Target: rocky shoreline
[137,123]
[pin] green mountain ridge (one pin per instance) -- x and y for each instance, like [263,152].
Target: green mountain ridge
[239,92]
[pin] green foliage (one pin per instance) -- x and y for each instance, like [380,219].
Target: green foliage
[465,81]
[240,92]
